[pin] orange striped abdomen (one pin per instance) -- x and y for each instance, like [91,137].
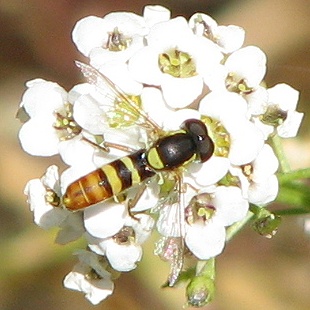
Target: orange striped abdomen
[107,181]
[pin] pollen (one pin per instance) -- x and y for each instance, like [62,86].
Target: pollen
[176,63]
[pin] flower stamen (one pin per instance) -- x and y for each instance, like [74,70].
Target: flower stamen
[273,116]
[117,41]
[65,123]
[125,236]
[177,63]
[236,85]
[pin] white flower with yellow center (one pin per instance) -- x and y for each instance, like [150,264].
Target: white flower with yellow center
[280,112]
[176,60]
[207,216]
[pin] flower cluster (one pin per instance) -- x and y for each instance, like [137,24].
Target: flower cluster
[146,76]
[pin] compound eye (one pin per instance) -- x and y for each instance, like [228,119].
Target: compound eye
[195,128]
[199,133]
[205,149]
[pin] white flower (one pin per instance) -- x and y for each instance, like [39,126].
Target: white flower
[46,215]
[228,38]
[206,240]
[115,37]
[123,250]
[258,180]
[246,66]
[90,277]
[230,110]
[38,135]
[160,63]
[147,76]
[280,112]
[205,235]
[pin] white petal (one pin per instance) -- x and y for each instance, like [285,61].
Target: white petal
[265,129]
[76,151]
[123,257]
[154,104]
[51,179]
[154,14]
[264,192]
[223,106]
[257,101]
[229,38]
[215,77]
[205,240]
[230,205]
[45,215]
[265,164]
[148,199]
[290,127]
[246,142]
[198,21]
[38,137]
[166,35]
[143,226]
[43,98]
[248,63]
[95,291]
[105,219]
[283,95]
[119,74]
[180,92]
[144,66]
[72,228]
[90,32]
[79,90]
[89,115]
[209,172]
[128,23]
[173,120]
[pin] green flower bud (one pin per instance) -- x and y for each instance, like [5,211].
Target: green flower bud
[200,291]
[266,223]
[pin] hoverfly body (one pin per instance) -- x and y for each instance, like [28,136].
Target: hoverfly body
[168,153]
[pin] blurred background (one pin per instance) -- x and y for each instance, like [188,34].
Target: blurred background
[253,273]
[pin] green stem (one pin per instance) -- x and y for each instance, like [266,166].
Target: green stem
[295,211]
[294,175]
[278,149]
[294,194]
[206,268]
[235,228]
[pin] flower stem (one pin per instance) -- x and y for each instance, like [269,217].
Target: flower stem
[294,175]
[235,228]
[278,149]
[206,268]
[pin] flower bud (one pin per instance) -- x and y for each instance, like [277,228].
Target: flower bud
[267,225]
[200,291]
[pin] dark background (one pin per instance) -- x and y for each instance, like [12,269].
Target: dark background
[253,273]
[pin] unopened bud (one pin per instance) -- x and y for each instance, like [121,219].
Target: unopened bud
[267,226]
[200,291]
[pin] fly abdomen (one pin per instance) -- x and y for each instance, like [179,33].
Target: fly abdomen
[107,181]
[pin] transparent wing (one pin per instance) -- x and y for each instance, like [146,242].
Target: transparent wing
[123,104]
[171,226]
[171,249]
